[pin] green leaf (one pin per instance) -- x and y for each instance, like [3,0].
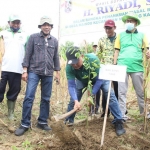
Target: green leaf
[91,101]
[94,74]
[85,77]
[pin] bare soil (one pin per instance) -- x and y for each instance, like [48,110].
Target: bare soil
[88,132]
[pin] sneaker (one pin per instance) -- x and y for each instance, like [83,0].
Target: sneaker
[103,114]
[43,126]
[126,118]
[21,130]
[148,115]
[119,128]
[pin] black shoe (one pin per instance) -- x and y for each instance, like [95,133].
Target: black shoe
[21,130]
[119,128]
[126,112]
[103,114]
[43,126]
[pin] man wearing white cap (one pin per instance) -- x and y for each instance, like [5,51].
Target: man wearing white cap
[41,60]
[14,44]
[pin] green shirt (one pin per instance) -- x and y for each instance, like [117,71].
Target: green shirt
[130,55]
[90,59]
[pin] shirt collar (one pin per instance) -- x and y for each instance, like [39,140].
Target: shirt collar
[136,31]
[114,36]
[41,34]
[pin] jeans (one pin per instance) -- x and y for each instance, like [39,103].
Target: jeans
[115,85]
[46,88]
[113,104]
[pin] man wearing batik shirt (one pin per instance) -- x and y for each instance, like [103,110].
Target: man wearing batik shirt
[105,52]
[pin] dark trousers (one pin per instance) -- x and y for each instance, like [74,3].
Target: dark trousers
[14,85]
[115,83]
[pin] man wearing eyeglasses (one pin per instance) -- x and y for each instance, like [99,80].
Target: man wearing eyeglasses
[105,52]
[129,48]
[14,43]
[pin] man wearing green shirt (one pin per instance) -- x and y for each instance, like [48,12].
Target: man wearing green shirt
[85,68]
[129,47]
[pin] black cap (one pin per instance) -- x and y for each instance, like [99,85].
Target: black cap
[71,55]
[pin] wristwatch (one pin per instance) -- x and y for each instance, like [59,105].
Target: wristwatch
[24,71]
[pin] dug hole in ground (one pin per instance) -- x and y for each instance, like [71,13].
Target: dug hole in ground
[90,131]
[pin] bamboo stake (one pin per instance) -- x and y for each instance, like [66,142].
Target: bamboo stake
[105,117]
[146,74]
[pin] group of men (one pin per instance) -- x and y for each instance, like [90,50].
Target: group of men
[35,58]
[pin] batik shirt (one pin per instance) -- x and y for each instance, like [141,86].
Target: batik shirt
[105,50]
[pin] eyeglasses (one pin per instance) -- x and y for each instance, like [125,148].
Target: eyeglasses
[130,21]
[108,28]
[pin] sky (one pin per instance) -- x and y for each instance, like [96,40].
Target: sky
[30,12]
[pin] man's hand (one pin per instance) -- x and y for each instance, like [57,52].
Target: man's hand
[77,105]
[148,54]
[25,76]
[57,77]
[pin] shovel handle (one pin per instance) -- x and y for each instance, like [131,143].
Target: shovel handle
[61,117]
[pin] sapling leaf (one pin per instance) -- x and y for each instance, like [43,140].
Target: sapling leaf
[83,90]
[91,100]
[94,74]
[85,77]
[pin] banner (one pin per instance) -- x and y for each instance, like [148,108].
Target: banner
[86,16]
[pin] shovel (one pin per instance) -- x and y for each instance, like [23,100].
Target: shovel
[63,132]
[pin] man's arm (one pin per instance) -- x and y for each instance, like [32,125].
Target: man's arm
[72,87]
[56,57]
[146,45]
[97,86]
[116,56]
[28,52]
[117,49]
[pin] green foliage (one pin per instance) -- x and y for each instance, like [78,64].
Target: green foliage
[27,145]
[64,47]
[14,148]
[87,48]
[4,28]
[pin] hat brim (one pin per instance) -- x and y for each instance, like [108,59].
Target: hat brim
[15,20]
[109,26]
[73,61]
[39,26]
[124,18]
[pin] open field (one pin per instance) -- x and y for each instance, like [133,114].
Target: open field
[35,139]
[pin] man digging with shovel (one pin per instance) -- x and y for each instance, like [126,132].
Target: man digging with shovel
[76,69]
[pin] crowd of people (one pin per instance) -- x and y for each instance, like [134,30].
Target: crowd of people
[34,59]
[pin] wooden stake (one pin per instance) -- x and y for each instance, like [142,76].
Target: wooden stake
[105,117]
[145,81]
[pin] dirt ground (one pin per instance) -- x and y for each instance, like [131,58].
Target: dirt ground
[89,131]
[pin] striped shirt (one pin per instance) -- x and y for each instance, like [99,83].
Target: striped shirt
[42,55]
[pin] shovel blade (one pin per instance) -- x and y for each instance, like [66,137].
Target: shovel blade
[64,133]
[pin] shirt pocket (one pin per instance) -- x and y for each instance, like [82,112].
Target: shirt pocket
[51,50]
[39,47]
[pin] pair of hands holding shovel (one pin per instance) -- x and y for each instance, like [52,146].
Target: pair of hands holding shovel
[78,107]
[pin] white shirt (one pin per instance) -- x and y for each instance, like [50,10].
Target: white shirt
[14,50]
